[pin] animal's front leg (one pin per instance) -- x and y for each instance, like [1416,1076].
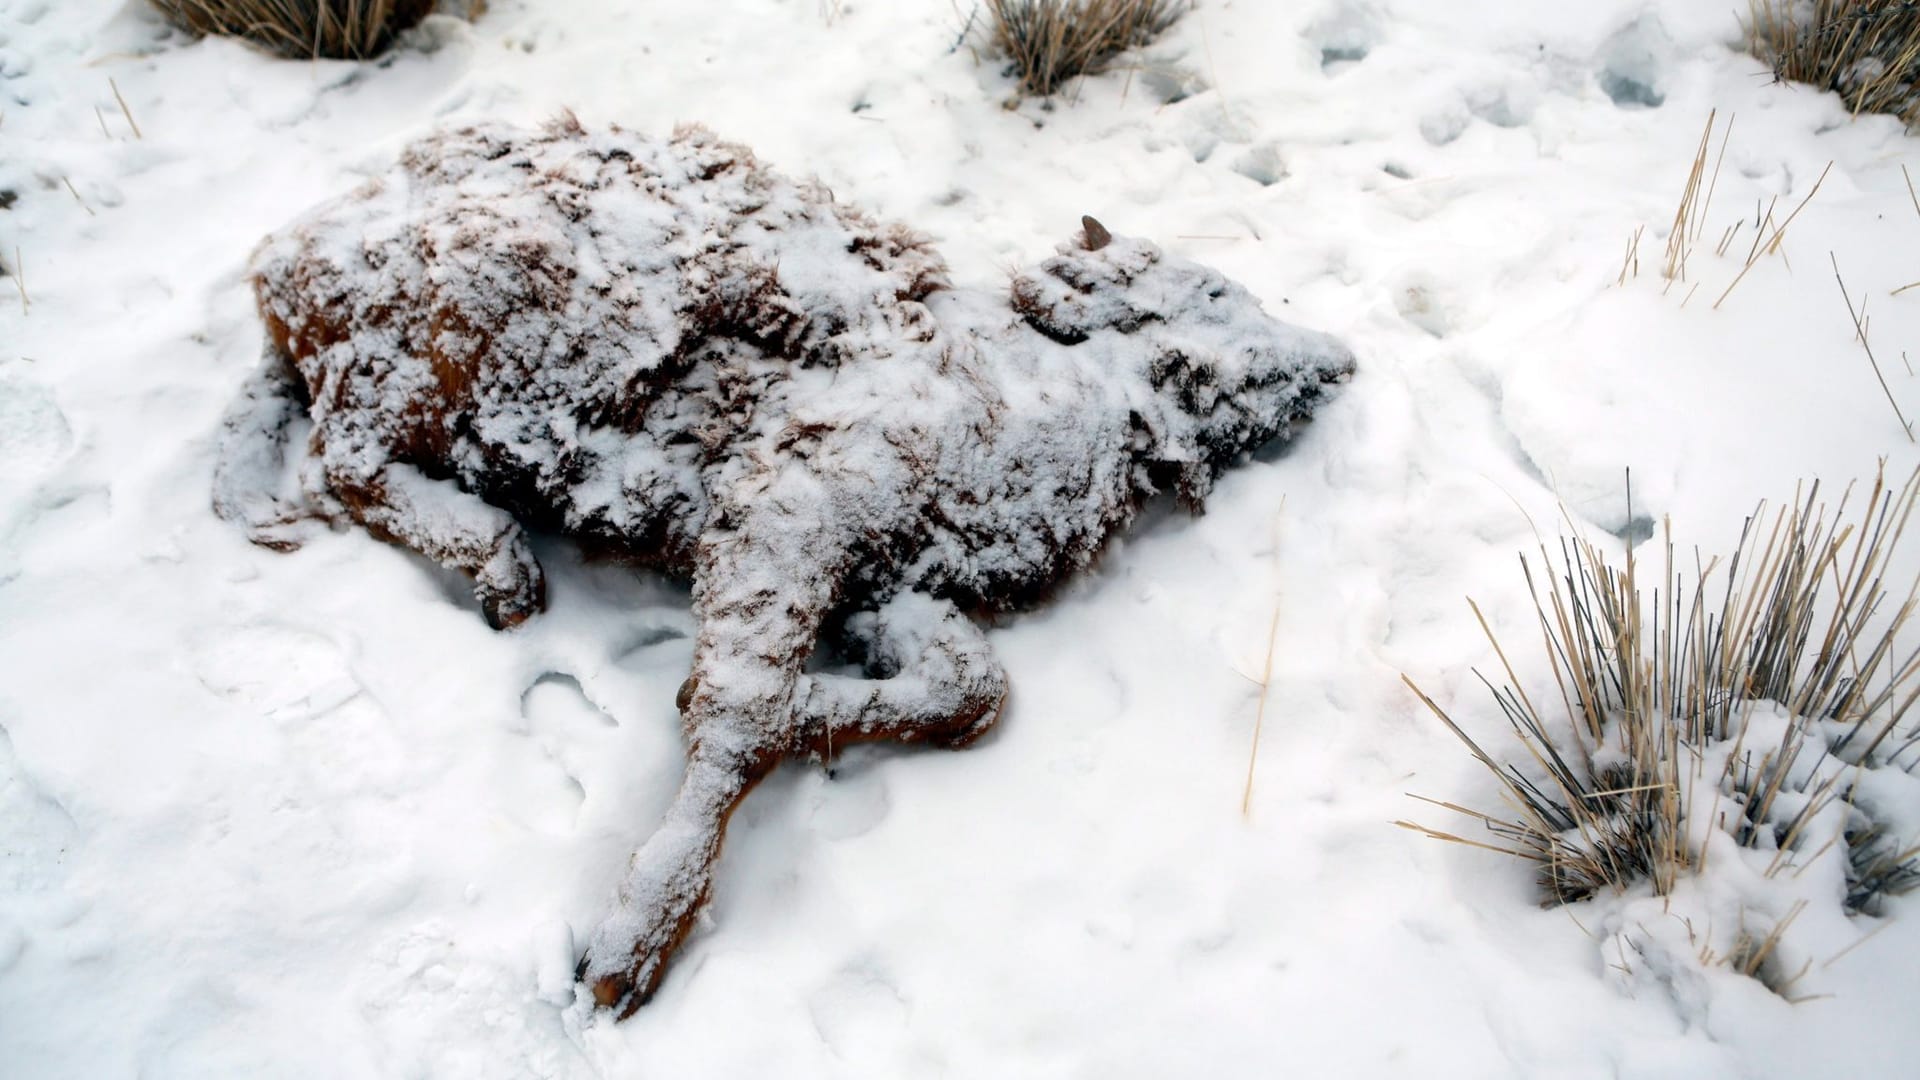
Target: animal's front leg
[453,528]
[253,446]
[937,681]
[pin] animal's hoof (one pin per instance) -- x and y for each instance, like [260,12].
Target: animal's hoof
[969,729]
[668,883]
[511,587]
[507,612]
[622,990]
[286,531]
[609,991]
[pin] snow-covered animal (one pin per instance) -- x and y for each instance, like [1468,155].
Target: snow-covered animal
[661,347]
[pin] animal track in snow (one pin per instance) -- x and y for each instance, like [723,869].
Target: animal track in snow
[437,1011]
[1167,82]
[847,801]
[1444,125]
[1345,37]
[351,749]
[1262,164]
[340,741]
[1633,64]
[1209,132]
[1508,105]
[35,831]
[1425,303]
[855,1005]
[288,672]
[651,634]
[34,433]
[544,783]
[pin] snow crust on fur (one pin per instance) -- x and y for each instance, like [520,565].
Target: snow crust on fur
[551,288]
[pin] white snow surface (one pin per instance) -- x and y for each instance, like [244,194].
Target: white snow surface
[305,815]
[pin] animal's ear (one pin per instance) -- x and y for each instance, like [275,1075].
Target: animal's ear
[1094,235]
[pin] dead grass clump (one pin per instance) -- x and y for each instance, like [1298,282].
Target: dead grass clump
[1878,866]
[1756,705]
[301,29]
[1866,50]
[1051,41]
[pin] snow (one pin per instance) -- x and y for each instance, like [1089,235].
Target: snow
[304,814]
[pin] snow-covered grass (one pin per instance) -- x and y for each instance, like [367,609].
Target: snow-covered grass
[287,815]
[1762,698]
[338,29]
[1049,42]
[1868,51]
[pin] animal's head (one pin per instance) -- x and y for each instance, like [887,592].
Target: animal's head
[1218,375]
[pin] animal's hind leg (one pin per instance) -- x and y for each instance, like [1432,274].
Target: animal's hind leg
[938,681]
[746,707]
[765,582]
[453,528]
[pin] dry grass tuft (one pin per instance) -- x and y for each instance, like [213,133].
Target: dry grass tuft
[1689,226]
[300,29]
[1052,41]
[1751,705]
[1755,956]
[1866,50]
[1765,244]
[1695,200]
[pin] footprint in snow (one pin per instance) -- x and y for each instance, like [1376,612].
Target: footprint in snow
[1504,105]
[340,741]
[36,832]
[287,672]
[1344,36]
[436,1010]
[34,433]
[1424,303]
[1261,164]
[851,803]
[543,775]
[856,1010]
[1444,125]
[1633,64]
[1170,86]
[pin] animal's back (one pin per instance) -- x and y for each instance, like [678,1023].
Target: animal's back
[504,295]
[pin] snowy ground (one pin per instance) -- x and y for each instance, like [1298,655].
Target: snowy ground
[266,815]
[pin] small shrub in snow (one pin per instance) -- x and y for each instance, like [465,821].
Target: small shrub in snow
[1866,50]
[1051,41]
[335,29]
[1764,716]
